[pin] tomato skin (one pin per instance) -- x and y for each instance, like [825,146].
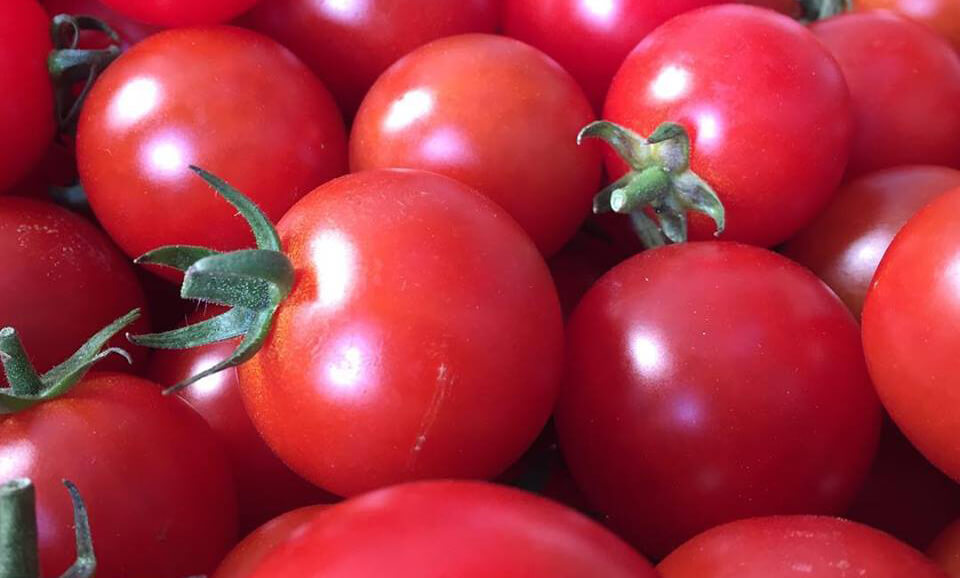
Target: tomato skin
[788,546]
[904,83]
[446,528]
[186,97]
[909,331]
[243,560]
[348,49]
[26,101]
[945,551]
[844,245]
[155,481]
[493,113]
[129,31]
[941,15]
[406,348]
[683,408]
[579,265]
[181,12]
[751,93]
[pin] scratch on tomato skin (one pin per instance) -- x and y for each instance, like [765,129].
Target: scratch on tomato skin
[444,383]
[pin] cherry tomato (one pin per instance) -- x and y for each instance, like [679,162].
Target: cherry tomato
[250,552]
[707,382]
[129,31]
[26,101]
[910,322]
[224,98]
[942,15]
[580,264]
[181,12]
[422,339]
[844,245]
[445,529]
[794,546]
[155,481]
[766,107]
[348,45]
[495,114]
[945,551]
[904,83]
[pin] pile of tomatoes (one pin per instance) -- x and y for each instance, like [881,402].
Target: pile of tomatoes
[480,288]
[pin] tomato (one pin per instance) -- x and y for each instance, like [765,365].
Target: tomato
[495,114]
[462,529]
[348,45]
[945,551]
[265,487]
[844,245]
[129,31]
[422,338]
[909,331]
[181,12]
[192,96]
[942,15]
[250,552]
[26,101]
[154,479]
[579,264]
[904,83]
[766,107]
[707,382]
[784,547]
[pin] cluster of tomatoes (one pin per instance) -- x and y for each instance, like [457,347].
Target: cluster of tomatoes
[479,288]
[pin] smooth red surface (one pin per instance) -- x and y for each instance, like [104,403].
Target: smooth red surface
[495,114]
[941,15]
[26,94]
[349,44]
[226,99]
[904,84]
[130,31]
[707,382]
[446,529]
[422,339]
[243,560]
[62,281]
[154,479]
[844,245]
[945,551]
[796,547]
[181,12]
[910,322]
[766,106]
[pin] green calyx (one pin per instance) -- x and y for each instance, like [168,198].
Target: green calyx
[27,388]
[814,10]
[660,179]
[252,282]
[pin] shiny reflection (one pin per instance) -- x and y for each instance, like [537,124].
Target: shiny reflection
[919,8]
[646,353]
[16,459]
[166,156]
[445,145]
[599,9]
[349,364]
[134,101]
[672,82]
[210,385]
[687,412]
[864,254]
[335,261]
[953,275]
[412,106]
[708,128]
[345,369]
[342,10]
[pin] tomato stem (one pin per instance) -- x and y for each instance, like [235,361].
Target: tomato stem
[814,10]
[21,376]
[18,530]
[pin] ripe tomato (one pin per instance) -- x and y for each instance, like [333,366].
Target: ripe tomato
[405,349]
[129,31]
[155,481]
[250,552]
[348,45]
[904,83]
[494,113]
[941,15]
[180,12]
[844,245]
[766,107]
[789,546]
[578,266]
[195,96]
[910,319]
[707,382]
[945,551]
[462,529]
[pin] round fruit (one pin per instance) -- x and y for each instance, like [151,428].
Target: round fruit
[181,12]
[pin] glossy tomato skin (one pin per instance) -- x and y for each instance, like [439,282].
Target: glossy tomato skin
[941,15]
[755,93]
[181,12]
[904,84]
[155,481]
[708,382]
[845,243]
[26,101]
[462,529]
[198,96]
[62,281]
[493,113]
[790,546]
[909,331]
[349,46]
[945,551]
[129,31]
[243,560]
[422,339]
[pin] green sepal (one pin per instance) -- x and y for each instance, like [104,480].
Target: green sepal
[263,230]
[814,10]
[250,278]
[85,564]
[179,257]
[233,323]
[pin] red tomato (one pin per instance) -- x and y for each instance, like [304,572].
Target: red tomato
[265,487]
[795,546]
[62,281]
[192,96]
[942,15]
[578,266]
[905,85]
[129,31]
[250,552]
[766,107]
[707,382]
[844,245]
[26,100]
[910,322]
[446,529]
[945,551]
[181,12]
[154,479]
[349,44]
[494,113]
[406,348]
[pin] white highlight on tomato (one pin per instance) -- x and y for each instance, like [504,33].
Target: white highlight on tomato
[412,106]
[134,101]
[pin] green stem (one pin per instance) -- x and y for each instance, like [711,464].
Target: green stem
[21,376]
[18,530]
[814,10]
[85,564]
